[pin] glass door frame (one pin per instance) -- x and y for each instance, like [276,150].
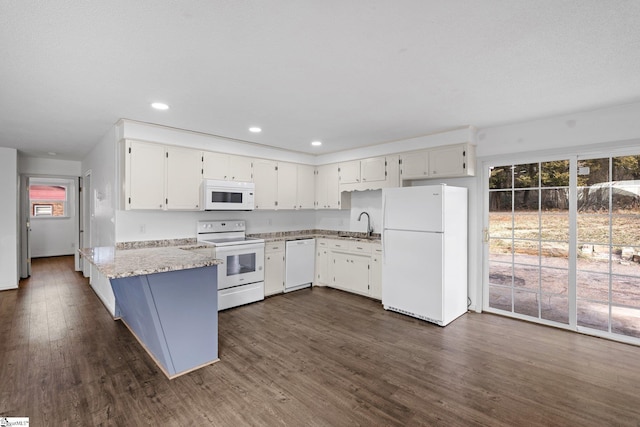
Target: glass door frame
[525,158]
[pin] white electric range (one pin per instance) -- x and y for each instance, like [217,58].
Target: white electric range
[241,277]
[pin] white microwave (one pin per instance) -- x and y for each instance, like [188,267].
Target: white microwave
[227,195]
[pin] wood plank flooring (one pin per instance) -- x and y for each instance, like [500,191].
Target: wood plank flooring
[317,357]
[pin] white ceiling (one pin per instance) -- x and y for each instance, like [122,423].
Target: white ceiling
[350,73]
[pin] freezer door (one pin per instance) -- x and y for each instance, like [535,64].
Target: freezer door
[412,273]
[413,208]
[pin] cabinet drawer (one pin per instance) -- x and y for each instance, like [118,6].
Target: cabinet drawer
[322,243]
[339,244]
[360,247]
[274,247]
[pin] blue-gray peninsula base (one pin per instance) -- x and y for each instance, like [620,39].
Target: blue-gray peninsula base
[172,310]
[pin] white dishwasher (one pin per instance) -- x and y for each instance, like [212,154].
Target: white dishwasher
[299,264]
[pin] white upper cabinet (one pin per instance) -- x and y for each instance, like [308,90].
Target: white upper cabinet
[414,165]
[454,160]
[161,177]
[296,186]
[265,177]
[350,172]
[227,167]
[306,191]
[183,178]
[287,186]
[144,175]
[374,169]
[369,174]
[328,188]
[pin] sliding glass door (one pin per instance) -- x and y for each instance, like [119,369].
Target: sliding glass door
[608,245]
[563,243]
[528,240]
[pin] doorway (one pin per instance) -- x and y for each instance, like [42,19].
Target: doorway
[49,218]
[562,243]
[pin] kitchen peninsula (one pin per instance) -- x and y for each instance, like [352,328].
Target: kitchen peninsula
[167,297]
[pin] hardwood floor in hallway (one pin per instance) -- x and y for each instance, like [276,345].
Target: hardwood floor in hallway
[317,357]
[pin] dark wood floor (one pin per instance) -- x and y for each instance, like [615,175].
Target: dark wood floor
[312,357]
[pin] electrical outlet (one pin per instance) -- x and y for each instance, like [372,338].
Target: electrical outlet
[143,228]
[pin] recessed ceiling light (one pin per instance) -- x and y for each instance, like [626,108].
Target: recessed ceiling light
[51,153]
[255,129]
[316,143]
[160,106]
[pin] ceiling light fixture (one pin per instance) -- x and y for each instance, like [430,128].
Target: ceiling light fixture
[160,106]
[255,129]
[51,153]
[316,143]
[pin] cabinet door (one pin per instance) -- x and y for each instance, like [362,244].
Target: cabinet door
[375,275]
[322,264]
[144,175]
[287,186]
[350,172]
[332,176]
[215,165]
[241,168]
[321,188]
[265,176]
[306,190]
[273,273]
[415,165]
[351,272]
[184,176]
[373,169]
[447,161]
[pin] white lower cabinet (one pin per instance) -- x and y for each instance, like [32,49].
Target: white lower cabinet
[274,268]
[351,266]
[322,263]
[375,275]
[351,272]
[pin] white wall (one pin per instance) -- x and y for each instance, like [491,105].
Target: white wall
[49,167]
[609,125]
[9,218]
[101,163]
[158,225]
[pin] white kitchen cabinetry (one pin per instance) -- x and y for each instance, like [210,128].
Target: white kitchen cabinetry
[370,174]
[161,177]
[350,266]
[322,263]
[144,175]
[287,186]
[414,165]
[375,274]
[265,177]
[227,167]
[184,176]
[350,172]
[451,161]
[296,186]
[306,190]
[274,268]
[327,184]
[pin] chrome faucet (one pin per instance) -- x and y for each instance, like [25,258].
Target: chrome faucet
[369,229]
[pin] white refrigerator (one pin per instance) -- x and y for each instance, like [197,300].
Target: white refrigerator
[424,249]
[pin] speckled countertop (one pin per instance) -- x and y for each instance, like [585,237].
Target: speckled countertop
[118,263]
[316,234]
[157,256]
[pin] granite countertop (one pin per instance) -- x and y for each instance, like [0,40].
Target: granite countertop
[317,234]
[128,259]
[118,263]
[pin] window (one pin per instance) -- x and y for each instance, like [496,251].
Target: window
[48,200]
